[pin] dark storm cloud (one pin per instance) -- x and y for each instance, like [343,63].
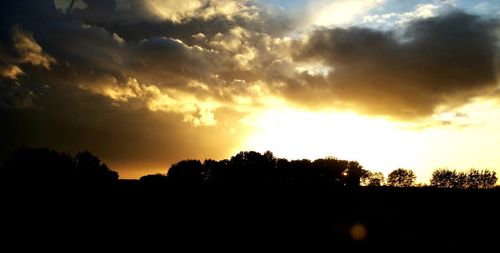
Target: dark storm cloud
[440,60]
[170,62]
[86,43]
[135,20]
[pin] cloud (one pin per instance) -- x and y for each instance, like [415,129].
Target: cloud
[10,71]
[340,12]
[443,60]
[29,50]
[180,10]
[399,20]
[189,52]
[195,111]
[175,11]
[25,50]
[184,69]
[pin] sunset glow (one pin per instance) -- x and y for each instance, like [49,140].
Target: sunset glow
[381,144]
[312,135]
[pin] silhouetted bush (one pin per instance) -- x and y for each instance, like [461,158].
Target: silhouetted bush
[155,182]
[153,178]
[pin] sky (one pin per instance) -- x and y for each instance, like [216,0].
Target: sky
[144,84]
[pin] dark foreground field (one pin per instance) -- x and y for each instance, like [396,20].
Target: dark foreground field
[257,218]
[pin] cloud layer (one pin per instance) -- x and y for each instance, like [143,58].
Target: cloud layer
[443,60]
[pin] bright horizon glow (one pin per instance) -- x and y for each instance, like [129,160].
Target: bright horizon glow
[295,134]
[462,142]
[379,145]
[458,139]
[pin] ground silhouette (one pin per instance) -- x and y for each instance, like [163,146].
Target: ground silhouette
[250,201]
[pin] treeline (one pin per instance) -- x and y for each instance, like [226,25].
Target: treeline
[473,179]
[45,168]
[259,169]
[36,167]
[253,167]
[441,178]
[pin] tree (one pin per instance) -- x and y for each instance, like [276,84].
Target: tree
[215,171]
[352,174]
[401,178]
[483,179]
[444,178]
[295,171]
[90,169]
[186,172]
[369,178]
[489,179]
[473,179]
[330,170]
[45,168]
[252,167]
[42,166]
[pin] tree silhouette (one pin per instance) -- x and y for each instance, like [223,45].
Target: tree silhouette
[481,179]
[45,168]
[330,170]
[186,172]
[401,178]
[369,178]
[216,171]
[251,167]
[38,167]
[295,171]
[473,179]
[352,174]
[444,178]
[90,170]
